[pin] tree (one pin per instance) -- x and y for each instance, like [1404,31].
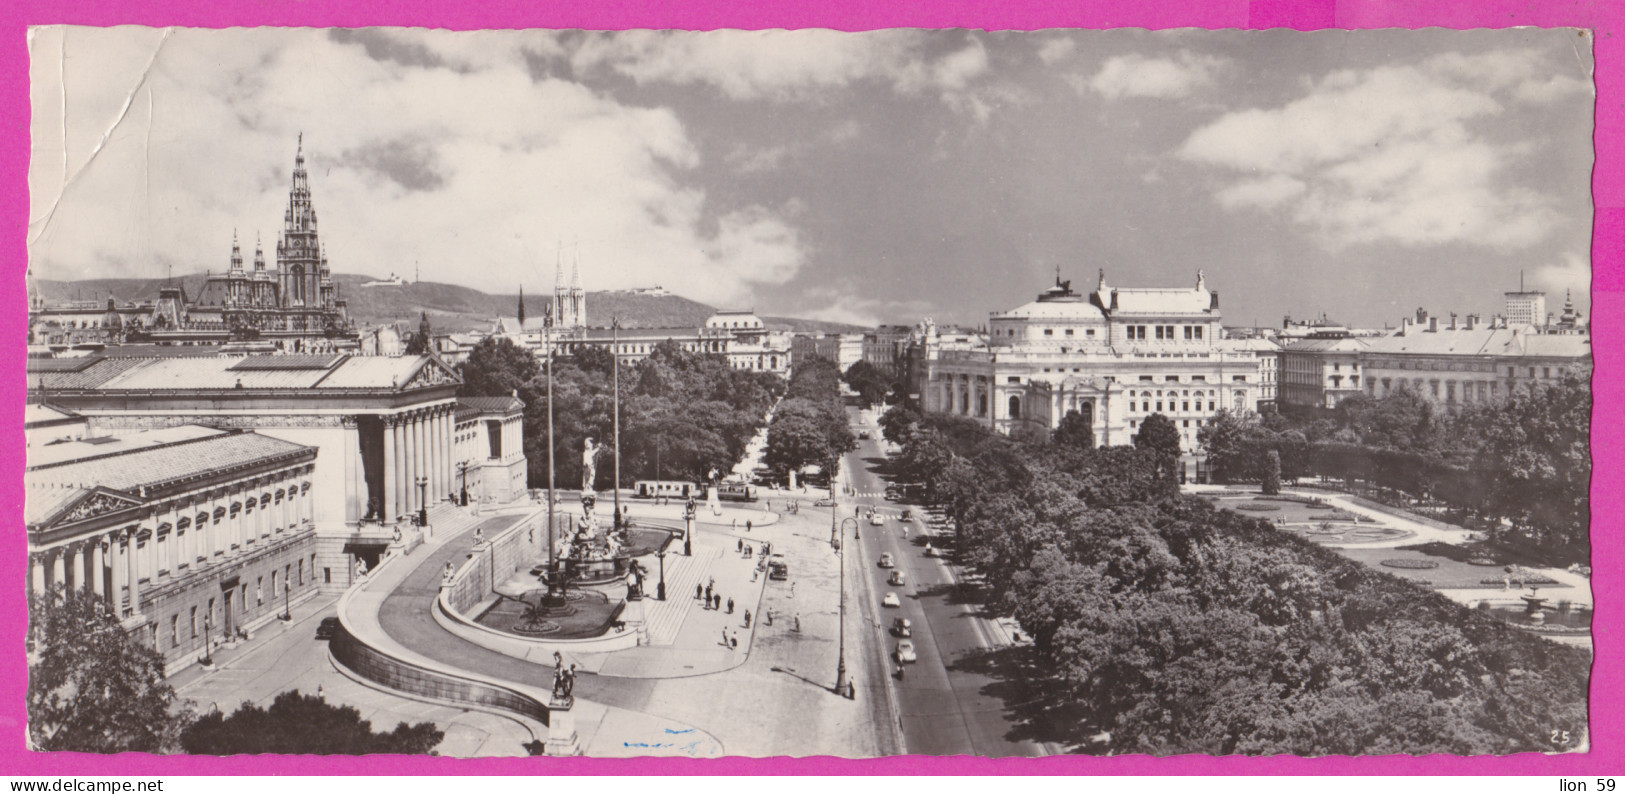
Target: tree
[1272,473]
[1074,431]
[496,367]
[871,386]
[1225,438]
[92,688]
[898,423]
[419,344]
[303,724]
[1159,435]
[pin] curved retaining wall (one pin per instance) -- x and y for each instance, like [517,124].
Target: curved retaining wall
[400,669]
[381,668]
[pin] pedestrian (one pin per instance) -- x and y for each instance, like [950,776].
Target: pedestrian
[708,592]
[725,638]
[747,618]
[716,601]
[698,591]
[733,642]
[747,525]
[770,617]
[798,621]
[730,606]
[735,524]
[792,589]
[740,545]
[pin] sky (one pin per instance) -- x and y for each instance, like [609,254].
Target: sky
[857,177]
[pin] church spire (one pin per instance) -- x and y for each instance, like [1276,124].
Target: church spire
[236,255]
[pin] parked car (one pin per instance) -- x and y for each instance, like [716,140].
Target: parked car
[327,628]
[886,560]
[891,600]
[897,578]
[905,652]
[901,627]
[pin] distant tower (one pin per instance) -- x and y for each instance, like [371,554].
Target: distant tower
[578,297]
[521,307]
[236,279]
[263,289]
[302,274]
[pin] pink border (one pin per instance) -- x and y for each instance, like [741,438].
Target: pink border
[1608,307]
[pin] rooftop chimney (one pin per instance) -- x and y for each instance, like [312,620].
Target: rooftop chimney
[1433,324]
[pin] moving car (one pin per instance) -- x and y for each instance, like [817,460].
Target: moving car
[908,515]
[824,502]
[891,600]
[327,628]
[897,578]
[905,652]
[886,560]
[876,520]
[901,627]
[777,568]
[863,434]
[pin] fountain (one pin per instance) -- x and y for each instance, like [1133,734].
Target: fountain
[1533,602]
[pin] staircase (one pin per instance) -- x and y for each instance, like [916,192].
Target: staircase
[664,619]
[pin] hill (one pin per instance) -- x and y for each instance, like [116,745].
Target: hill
[450,307]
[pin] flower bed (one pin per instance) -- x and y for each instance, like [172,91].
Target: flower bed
[1412,565]
[1258,508]
[1523,580]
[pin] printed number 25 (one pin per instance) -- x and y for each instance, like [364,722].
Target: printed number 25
[1560,737]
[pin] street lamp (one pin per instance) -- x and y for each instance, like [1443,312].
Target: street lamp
[841,682]
[688,527]
[423,501]
[615,348]
[287,609]
[462,474]
[660,591]
[552,522]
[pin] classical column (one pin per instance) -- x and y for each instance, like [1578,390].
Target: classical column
[414,459]
[71,569]
[352,447]
[133,571]
[388,507]
[397,506]
[448,433]
[98,565]
[437,451]
[36,573]
[57,574]
[120,570]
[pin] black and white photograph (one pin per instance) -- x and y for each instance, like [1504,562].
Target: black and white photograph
[657,393]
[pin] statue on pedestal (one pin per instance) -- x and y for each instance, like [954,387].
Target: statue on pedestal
[589,465]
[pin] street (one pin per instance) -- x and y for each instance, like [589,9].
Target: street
[945,706]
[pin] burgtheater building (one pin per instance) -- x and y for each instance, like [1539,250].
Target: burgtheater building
[1115,355]
[381,428]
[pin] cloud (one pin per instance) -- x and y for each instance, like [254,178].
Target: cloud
[846,307]
[1392,153]
[1573,273]
[1053,51]
[1156,78]
[474,169]
[784,65]
[749,160]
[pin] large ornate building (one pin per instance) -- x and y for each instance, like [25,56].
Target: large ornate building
[1115,355]
[383,427]
[293,307]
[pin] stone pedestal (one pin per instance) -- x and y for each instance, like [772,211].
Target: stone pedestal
[561,728]
[711,501]
[632,615]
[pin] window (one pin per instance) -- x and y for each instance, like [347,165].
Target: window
[327,576]
[1146,378]
[1168,331]
[1171,378]
[1159,406]
[1145,406]
[194,623]
[1090,332]
[1545,372]
[259,591]
[1159,332]
[273,584]
[1185,406]
[1212,406]
[174,631]
[1186,422]
[1049,331]
[1239,378]
[1069,332]
[208,620]
[1199,379]
[1013,379]
[1198,330]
